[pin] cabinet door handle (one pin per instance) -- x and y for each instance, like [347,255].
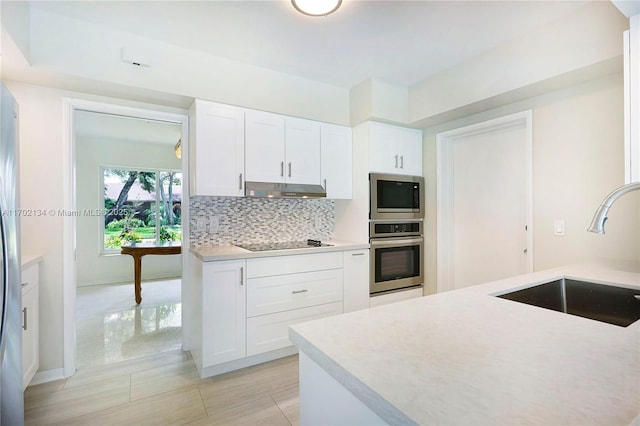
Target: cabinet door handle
[282,168]
[396,157]
[325,185]
[25,284]
[289,169]
[24,319]
[299,291]
[357,254]
[242,275]
[240,182]
[402,161]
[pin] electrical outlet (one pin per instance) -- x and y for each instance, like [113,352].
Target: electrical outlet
[201,224]
[319,222]
[214,224]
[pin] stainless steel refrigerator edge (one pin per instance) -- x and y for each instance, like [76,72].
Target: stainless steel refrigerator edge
[11,390]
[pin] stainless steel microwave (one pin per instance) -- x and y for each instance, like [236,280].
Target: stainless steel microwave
[396,196]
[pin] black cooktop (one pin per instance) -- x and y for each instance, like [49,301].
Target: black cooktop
[284,245]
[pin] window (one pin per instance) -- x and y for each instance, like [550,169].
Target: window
[140,206]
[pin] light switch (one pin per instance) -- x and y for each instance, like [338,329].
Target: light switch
[558,227]
[214,224]
[201,224]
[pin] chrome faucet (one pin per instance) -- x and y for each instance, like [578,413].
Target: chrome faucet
[597,224]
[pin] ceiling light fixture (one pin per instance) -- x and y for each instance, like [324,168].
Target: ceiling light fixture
[316,7]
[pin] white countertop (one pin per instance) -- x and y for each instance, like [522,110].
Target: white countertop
[28,260]
[467,357]
[214,253]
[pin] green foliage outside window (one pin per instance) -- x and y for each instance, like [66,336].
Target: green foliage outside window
[146,208]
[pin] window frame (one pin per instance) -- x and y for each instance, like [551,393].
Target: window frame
[104,251]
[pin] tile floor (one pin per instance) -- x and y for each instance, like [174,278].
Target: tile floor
[166,389]
[131,371]
[110,327]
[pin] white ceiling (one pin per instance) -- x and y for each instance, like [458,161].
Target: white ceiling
[401,42]
[115,127]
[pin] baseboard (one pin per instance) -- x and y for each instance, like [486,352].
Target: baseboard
[47,376]
[244,362]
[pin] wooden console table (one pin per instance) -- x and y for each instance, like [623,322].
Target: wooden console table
[140,249]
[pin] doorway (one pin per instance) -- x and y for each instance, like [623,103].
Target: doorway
[125,174]
[485,202]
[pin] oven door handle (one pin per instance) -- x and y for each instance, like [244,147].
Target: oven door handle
[395,242]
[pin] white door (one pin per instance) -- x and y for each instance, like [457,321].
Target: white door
[486,201]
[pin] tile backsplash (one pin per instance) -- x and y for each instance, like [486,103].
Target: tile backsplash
[256,220]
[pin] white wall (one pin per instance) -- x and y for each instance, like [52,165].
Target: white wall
[578,158]
[41,188]
[585,44]
[91,154]
[374,99]
[69,47]
[42,156]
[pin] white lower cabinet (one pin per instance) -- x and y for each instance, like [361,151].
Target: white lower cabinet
[266,295]
[304,290]
[243,308]
[270,332]
[30,323]
[223,311]
[356,278]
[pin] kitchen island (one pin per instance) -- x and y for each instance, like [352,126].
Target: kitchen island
[468,357]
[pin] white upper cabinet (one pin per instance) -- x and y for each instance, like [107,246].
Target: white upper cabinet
[282,149]
[216,151]
[394,149]
[336,161]
[302,152]
[231,145]
[264,142]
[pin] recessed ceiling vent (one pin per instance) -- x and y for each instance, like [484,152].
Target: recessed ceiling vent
[136,57]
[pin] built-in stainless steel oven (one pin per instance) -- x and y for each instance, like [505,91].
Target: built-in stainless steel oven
[397,256]
[394,197]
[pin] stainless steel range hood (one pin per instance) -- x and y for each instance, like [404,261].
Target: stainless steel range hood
[283,190]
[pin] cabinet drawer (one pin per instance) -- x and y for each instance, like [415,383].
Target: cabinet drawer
[270,332]
[280,265]
[267,295]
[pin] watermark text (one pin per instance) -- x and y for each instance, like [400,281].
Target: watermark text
[25,212]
